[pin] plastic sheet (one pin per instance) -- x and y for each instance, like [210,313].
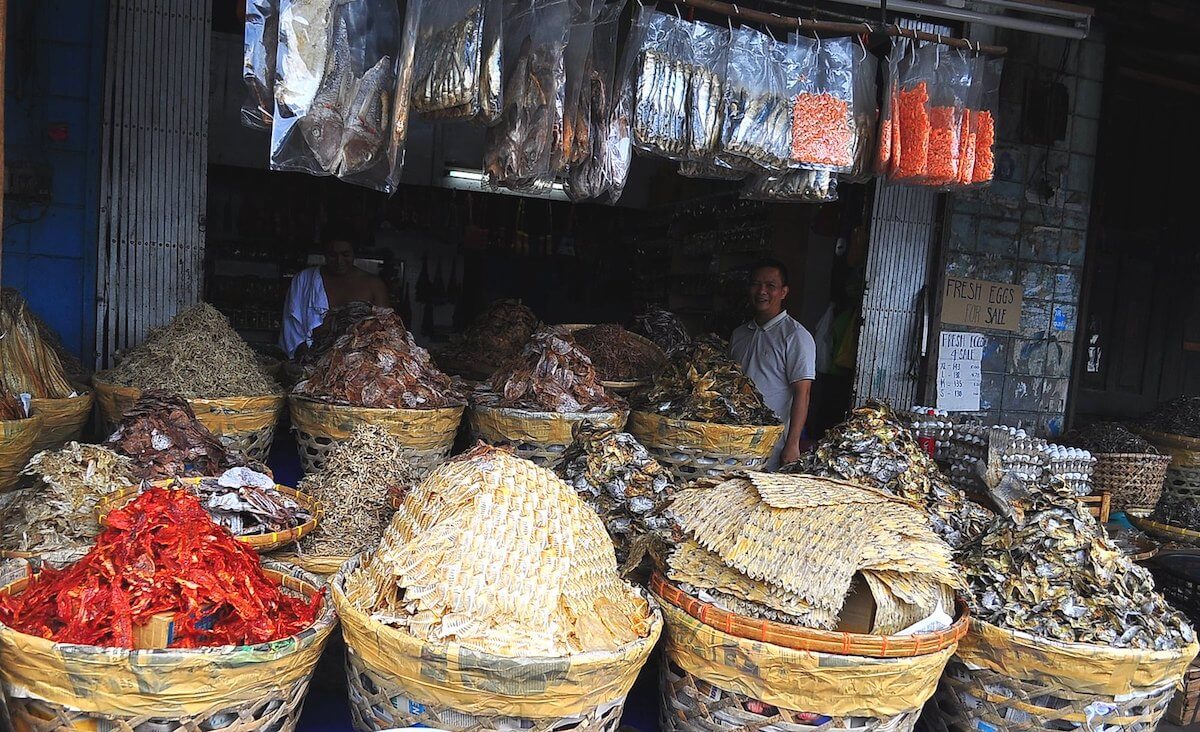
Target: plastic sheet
[619,130]
[984,122]
[822,96]
[591,176]
[574,137]
[706,86]
[258,62]
[911,113]
[866,118]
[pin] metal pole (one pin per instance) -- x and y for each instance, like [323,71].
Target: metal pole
[3,53]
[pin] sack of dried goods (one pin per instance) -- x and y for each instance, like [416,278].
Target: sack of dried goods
[167,618]
[1067,628]
[703,416]
[30,364]
[495,560]
[19,432]
[376,374]
[200,357]
[622,359]
[494,338]
[839,598]
[534,402]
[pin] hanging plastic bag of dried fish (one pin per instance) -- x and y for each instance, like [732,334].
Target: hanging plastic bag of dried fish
[756,115]
[519,149]
[660,109]
[586,126]
[258,62]
[808,186]
[866,118]
[457,72]
[573,142]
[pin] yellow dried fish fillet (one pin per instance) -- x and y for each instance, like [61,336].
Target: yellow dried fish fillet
[697,566]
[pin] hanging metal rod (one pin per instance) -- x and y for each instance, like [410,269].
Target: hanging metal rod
[1077,31]
[823,26]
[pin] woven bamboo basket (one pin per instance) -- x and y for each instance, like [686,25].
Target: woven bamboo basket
[396,680]
[18,437]
[1177,577]
[1185,705]
[1183,474]
[1166,532]
[52,687]
[538,436]
[1010,681]
[1135,480]
[713,680]
[261,543]
[244,423]
[691,450]
[63,420]
[427,434]
[647,345]
[320,566]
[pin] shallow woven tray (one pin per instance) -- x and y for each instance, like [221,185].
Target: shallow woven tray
[1165,531]
[258,542]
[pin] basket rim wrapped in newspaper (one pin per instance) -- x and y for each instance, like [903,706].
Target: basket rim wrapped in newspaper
[63,419]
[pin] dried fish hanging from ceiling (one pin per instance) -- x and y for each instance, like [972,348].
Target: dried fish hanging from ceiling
[866,117]
[660,107]
[28,363]
[354,487]
[457,73]
[573,144]
[261,36]
[246,502]
[619,355]
[551,374]
[757,114]
[663,327]
[495,337]
[1049,569]
[58,511]
[703,383]
[810,186]
[505,529]
[873,447]
[789,548]
[590,175]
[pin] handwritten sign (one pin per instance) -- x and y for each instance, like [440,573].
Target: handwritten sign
[959,375]
[981,304]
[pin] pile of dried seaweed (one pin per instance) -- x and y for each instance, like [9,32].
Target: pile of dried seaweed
[161,434]
[336,323]
[551,374]
[11,300]
[377,364]
[663,327]
[28,364]
[703,383]
[353,486]
[58,511]
[247,502]
[1049,569]
[10,406]
[619,355]
[1176,510]
[495,337]
[874,448]
[1109,437]
[198,355]
[624,483]
[1180,416]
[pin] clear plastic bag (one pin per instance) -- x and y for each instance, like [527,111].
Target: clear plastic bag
[757,118]
[947,103]
[822,98]
[888,141]
[402,94]
[709,53]
[660,110]
[520,148]
[258,62]
[866,117]
[910,116]
[984,122]
[590,177]
[618,138]
[710,171]
[967,132]
[575,143]
[807,186]
[448,81]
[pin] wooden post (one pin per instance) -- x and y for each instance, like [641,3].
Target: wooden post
[3,53]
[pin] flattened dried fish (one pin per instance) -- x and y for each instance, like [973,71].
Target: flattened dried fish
[704,384]
[494,338]
[247,503]
[448,74]
[551,374]
[304,33]
[663,327]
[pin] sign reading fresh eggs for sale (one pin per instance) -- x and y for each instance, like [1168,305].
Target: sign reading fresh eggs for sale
[981,304]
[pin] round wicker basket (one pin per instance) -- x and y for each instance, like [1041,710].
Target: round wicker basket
[63,420]
[538,436]
[1134,479]
[648,347]
[18,437]
[691,450]
[1183,474]
[1166,532]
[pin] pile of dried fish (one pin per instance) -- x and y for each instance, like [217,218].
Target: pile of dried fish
[703,383]
[789,547]
[28,365]
[1180,416]
[1109,437]
[58,511]
[1176,510]
[499,555]
[619,355]
[624,483]
[12,301]
[663,327]
[247,502]
[457,73]
[377,364]
[335,324]
[495,337]
[874,448]
[1049,569]
[198,355]
[551,374]
[11,407]
[353,487]
[161,434]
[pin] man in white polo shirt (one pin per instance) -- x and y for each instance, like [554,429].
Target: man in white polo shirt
[779,355]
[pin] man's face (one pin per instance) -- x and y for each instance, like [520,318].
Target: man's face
[767,291]
[339,257]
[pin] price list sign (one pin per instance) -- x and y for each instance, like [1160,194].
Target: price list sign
[959,374]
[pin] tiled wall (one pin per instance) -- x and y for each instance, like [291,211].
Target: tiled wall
[1013,232]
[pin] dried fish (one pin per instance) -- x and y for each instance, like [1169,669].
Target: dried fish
[354,487]
[58,512]
[499,555]
[304,35]
[335,325]
[494,338]
[703,383]
[619,355]
[458,72]
[1109,437]
[663,327]
[28,363]
[1050,570]
[258,62]
[813,186]
[624,483]
[660,109]
[377,364]
[520,147]
[11,408]
[1176,510]
[246,502]
[551,374]
[197,355]
[756,129]
[323,124]
[1179,416]
[366,117]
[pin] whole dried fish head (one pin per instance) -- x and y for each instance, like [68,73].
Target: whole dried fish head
[362,140]
[324,123]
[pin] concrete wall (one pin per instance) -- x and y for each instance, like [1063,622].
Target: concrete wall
[1014,232]
[54,66]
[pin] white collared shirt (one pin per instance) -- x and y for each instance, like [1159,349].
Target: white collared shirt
[775,356]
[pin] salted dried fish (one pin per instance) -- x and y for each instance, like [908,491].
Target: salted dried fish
[663,327]
[494,338]
[28,362]
[304,34]
[335,324]
[813,186]
[324,123]
[448,68]
[247,503]
[520,146]
[366,116]
[703,383]
[1179,416]
[618,355]
[1109,437]
[551,374]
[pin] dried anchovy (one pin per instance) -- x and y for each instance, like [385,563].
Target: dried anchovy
[618,355]
[551,374]
[495,337]
[354,487]
[624,483]
[197,356]
[58,511]
[27,362]
[703,383]
[520,146]
[1175,510]
[377,364]
[1109,437]
[161,434]
[874,448]
[1050,570]
[1180,416]
[663,327]
[335,324]
[660,114]
[449,82]
[247,503]
[11,300]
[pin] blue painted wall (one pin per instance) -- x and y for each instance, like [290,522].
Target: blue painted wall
[54,78]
